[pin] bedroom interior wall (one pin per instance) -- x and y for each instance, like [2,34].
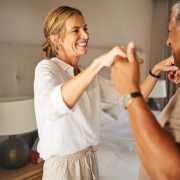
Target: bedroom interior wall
[110,23]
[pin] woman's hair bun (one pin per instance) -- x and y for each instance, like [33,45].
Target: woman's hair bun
[47,48]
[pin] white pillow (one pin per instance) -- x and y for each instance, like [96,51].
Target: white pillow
[106,106]
[115,111]
[105,118]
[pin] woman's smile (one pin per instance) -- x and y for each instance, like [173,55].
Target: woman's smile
[82,44]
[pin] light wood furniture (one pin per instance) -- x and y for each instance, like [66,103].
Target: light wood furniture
[29,172]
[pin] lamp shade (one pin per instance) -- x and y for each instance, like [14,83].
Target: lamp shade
[17,115]
[159,90]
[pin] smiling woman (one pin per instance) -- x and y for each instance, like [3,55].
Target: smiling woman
[68,98]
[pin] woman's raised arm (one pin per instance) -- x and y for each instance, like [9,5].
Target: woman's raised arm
[148,84]
[73,89]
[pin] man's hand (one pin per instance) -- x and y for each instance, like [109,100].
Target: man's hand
[140,60]
[125,71]
[174,76]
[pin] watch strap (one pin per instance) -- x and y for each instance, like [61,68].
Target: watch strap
[153,75]
[128,98]
[136,94]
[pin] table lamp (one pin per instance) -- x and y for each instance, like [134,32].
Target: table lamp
[17,116]
[159,91]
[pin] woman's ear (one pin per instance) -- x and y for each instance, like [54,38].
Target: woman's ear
[53,38]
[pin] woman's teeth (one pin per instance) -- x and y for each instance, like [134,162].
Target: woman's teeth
[81,44]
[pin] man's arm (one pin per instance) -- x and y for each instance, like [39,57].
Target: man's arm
[156,148]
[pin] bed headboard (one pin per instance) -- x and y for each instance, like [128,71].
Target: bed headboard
[18,62]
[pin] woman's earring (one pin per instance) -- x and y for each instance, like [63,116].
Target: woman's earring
[60,47]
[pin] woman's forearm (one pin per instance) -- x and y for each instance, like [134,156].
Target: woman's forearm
[148,84]
[74,88]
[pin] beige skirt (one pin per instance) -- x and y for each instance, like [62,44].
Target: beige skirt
[82,165]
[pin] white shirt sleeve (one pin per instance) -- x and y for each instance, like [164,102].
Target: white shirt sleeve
[47,91]
[109,94]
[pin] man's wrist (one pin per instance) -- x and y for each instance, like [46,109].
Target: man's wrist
[134,102]
[131,89]
[127,99]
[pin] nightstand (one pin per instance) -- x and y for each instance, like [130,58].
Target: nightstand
[29,172]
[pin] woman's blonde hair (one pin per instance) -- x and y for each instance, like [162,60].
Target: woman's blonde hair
[54,24]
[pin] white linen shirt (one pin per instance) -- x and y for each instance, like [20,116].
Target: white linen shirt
[61,130]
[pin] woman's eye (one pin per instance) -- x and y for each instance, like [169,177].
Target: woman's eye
[75,30]
[85,29]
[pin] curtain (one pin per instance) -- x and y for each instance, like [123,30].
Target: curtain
[159,49]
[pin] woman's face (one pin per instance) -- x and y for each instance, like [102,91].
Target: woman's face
[75,42]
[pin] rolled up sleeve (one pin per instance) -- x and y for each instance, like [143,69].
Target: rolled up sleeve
[47,91]
[58,102]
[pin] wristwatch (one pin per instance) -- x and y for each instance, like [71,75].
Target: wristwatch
[127,99]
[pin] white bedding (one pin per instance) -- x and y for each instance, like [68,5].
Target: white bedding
[117,156]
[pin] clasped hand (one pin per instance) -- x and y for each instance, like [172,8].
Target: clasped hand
[125,71]
[108,58]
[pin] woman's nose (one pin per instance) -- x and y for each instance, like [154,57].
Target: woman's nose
[85,35]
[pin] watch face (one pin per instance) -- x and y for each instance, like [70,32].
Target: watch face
[126,99]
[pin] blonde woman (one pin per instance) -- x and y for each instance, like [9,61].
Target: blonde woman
[68,97]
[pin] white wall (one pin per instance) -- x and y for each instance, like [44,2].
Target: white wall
[110,22]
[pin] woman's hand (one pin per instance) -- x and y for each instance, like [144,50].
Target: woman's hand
[165,65]
[107,59]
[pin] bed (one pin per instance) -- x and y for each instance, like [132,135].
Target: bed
[117,156]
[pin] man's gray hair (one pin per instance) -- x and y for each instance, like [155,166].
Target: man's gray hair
[176,17]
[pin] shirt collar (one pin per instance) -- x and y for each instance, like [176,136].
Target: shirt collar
[62,64]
